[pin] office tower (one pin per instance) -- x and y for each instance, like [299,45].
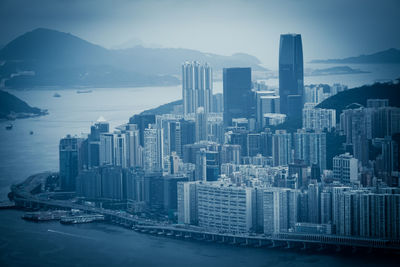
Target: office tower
[314,200]
[134,149]
[197,86]
[266,143]
[302,206]
[359,137]
[153,149]
[238,102]
[337,206]
[387,162]
[69,161]
[299,169]
[174,163]
[345,168]
[253,144]
[188,132]
[171,192]
[318,118]
[112,183]
[315,172]
[281,148]
[190,151]
[267,102]
[291,80]
[142,121]
[280,209]
[201,124]
[212,165]
[175,143]
[326,207]
[218,103]
[187,203]
[88,183]
[230,154]
[135,185]
[120,150]
[101,126]
[385,121]
[154,190]
[215,129]
[107,152]
[201,165]
[213,208]
[238,137]
[310,147]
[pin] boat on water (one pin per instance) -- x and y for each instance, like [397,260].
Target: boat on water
[40,216]
[83,91]
[9,126]
[86,218]
[56,95]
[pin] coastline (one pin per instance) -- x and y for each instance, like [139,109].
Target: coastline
[28,195]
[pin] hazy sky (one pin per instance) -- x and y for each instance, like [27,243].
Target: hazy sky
[329,28]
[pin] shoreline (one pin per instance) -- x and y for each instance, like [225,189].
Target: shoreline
[21,194]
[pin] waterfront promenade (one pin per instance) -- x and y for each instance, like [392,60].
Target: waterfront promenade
[24,198]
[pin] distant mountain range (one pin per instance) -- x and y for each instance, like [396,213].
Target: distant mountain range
[391,55]
[11,107]
[45,57]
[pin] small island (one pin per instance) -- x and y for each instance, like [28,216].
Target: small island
[339,70]
[11,108]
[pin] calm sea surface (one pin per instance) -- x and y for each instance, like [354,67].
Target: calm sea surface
[51,244]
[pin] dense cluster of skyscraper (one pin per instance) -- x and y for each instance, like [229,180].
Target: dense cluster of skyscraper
[223,163]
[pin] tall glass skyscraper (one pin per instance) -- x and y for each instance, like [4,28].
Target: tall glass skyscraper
[197,86]
[237,94]
[291,75]
[69,149]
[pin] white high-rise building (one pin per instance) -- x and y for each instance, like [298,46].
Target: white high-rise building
[318,118]
[310,147]
[134,150]
[280,209]
[153,149]
[107,151]
[187,202]
[281,148]
[225,207]
[197,87]
[120,150]
[345,168]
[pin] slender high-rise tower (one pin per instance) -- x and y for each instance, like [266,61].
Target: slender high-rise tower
[237,94]
[291,75]
[196,87]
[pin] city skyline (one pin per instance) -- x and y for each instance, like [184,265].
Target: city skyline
[204,159]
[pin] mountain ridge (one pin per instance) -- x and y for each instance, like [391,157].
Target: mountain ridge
[57,58]
[391,55]
[359,95]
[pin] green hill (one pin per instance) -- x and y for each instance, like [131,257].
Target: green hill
[13,107]
[360,95]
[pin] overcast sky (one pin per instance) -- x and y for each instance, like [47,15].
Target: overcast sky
[329,28]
